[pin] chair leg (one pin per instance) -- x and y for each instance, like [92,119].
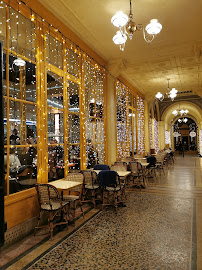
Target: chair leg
[51,224]
[93,197]
[115,200]
[66,217]
[74,212]
[82,209]
[38,222]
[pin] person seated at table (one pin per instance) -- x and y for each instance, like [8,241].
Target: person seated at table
[30,152]
[14,162]
[14,138]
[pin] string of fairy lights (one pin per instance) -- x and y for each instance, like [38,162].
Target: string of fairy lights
[140,125]
[150,133]
[167,137]
[124,128]
[156,135]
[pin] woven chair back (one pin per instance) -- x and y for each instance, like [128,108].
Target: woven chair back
[46,193]
[118,168]
[90,177]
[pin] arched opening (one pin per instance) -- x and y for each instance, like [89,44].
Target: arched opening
[185,132]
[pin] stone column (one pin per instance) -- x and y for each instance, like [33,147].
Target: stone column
[162,135]
[114,67]
[200,138]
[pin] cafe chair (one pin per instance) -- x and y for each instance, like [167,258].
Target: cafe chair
[136,176]
[74,196]
[101,167]
[50,201]
[120,163]
[112,189]
[118,167]
[160,162]
[90,189]
[152,165]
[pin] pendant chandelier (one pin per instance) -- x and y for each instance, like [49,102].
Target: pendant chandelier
[180,111]
[171,93]
[182,120]
[127,28]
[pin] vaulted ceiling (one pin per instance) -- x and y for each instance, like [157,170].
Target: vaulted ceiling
[175,53]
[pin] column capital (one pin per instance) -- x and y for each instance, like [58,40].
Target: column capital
[115,67]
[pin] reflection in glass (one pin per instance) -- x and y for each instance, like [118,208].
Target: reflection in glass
[55,162]
[55,126]
[74,156]
[22,168]
[73,90]
[74,128]
[22,80]
[54,90]
[22,123]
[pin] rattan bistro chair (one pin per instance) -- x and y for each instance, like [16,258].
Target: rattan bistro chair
[120,163]
[50,201]
[113,191]
[136,176]
[74,195]
[90,187]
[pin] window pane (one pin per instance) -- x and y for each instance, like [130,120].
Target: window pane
[54,90]
[3,23]
[55,126]
[22,168]
[22,121]
[72,59]
[22,80]
[73,90]
[54,51]
[74,128]
[74,156]
[22,34]
[55,162]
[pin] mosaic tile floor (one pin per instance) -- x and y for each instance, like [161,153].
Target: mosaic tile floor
[152,232]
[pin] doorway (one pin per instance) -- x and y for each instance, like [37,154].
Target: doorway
[185,143]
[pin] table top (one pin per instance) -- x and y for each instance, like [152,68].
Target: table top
[120,173]
[64,184]
[144,164]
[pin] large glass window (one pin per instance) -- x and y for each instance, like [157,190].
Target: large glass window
[94,105]
[123,147]
[55,126]
[74,125]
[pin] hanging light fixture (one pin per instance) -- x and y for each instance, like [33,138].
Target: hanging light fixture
[180,111]
[183,120]
[127,27]
[19,62]
[171,93]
